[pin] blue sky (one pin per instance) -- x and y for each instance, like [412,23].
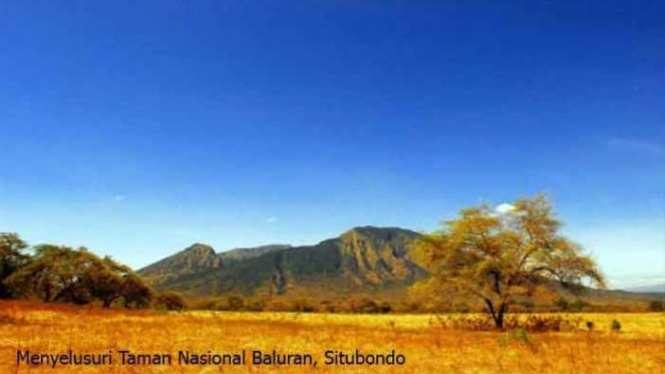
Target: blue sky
[137,128]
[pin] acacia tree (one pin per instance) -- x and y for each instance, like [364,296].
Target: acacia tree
[55,273]
[105,278]
[498,257]
[12,257]
[135,293]
[64,274]
[170,301]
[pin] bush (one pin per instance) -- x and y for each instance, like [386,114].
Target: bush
[255,305]
[364,305]
[562,304]
[235,303]
[656,306]
[329,307]
[222,305]
[579,306]
[616,326]
[302,306]
[369,306]
[385,307]
[277,306]
[203,304]
[170,301]
[533,323]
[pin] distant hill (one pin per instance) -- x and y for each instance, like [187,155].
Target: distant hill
[197,259]
[362,259]
[239,254]
[370,261]
[655,288]
[194,259]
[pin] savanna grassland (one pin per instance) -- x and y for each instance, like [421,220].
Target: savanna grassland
[429,347]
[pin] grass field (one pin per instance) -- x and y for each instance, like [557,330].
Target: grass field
[428,348]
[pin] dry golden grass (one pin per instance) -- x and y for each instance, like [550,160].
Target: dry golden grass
[638,348]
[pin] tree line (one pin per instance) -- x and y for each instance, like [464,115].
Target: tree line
[55,273]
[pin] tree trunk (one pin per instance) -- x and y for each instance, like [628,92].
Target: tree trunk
[503,308]
[47,293]
[499,318]
[497,314]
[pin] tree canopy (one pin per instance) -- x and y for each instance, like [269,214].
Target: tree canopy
[500,256]
[64,274]
[12,257]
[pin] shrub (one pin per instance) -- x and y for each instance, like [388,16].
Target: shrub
[222,305]
[562,304]
[385,307]
[616,326]
[579,306]
[203,304]
[235,303]
[364,305]
[256,305]
[170,301]
[329,307]
[277,306]
[656,306]
[533,323]
[303,306]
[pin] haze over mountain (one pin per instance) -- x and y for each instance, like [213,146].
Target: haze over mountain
[655,288]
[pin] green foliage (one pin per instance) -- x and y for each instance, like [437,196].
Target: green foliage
[170,301]
[57,273]
[64,274]
[361,257]
[135,293]
[12,257]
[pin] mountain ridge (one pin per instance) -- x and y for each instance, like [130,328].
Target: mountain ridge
[364,260]
[362,257]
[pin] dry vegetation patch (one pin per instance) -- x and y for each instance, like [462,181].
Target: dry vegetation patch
[429,346]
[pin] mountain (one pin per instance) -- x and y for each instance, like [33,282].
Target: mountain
[370,261]
[365,258]
[199,258]
[655,288]
[239,254]
[192,260]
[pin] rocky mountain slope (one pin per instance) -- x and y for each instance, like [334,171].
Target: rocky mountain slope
[364,258]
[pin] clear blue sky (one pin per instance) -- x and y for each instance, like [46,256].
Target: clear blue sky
[136,128]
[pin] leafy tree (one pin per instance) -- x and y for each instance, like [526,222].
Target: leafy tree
[11,259]
[497,257]
[656,306]
[54,274]
[135,293]
[105,280]
[170,301]
[64,274]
